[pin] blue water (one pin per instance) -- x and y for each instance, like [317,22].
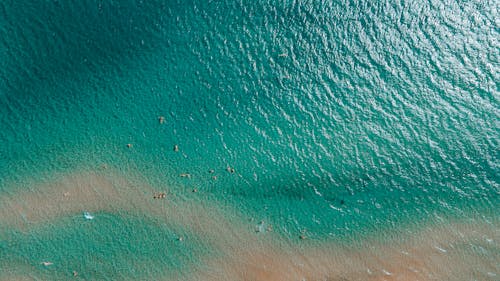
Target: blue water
[340,118]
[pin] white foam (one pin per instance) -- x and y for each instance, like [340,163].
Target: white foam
[88,216]
[440,249]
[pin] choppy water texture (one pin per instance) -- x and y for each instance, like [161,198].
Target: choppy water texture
[316,140]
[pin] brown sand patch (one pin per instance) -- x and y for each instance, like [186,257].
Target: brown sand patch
[436,253]
[74,193]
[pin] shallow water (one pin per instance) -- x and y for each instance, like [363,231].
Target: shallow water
[357,126]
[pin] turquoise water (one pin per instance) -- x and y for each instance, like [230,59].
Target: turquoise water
[341,119]
[73,244]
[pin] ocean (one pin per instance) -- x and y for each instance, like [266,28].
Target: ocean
[249,140]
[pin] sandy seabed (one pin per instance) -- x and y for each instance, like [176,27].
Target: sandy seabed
[446,251]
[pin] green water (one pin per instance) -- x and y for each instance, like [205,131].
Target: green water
[340,118]
[134,247]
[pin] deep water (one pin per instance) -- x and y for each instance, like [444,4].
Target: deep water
[342,120]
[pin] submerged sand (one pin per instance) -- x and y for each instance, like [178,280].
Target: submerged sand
[436,253]
[446,251]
